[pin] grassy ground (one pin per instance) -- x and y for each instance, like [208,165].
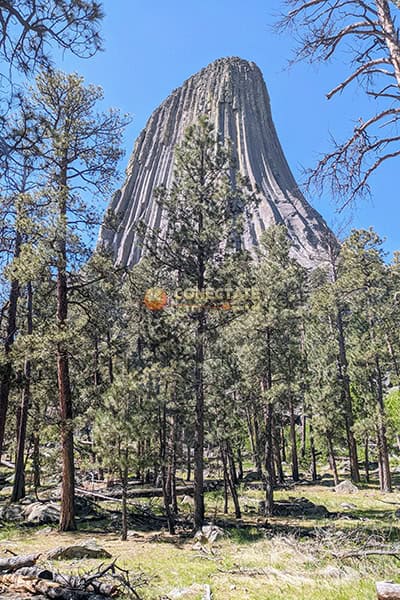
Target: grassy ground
[278,559]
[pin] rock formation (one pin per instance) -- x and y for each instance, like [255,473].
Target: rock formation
[233,93]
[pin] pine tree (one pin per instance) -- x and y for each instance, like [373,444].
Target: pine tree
[203,210]
[75,149]
[364,280]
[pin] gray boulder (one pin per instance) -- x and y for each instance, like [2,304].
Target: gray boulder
[11,513]
[85,550]
[42,514]
[346,487]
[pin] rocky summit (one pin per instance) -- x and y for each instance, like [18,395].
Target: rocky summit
[233,93]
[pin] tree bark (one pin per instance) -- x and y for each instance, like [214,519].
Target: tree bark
[293,440]
[240,464]
[385,474]
[67,516]
[165,482]
[199,426]
[124,509]
[231,462]
[225,473]
[19,477]
[332,458]
[366,458]
[303,433]
[314,474]
[277,454]
[7,370]
[346,397]
[228,479]
[391,37]
[188,462]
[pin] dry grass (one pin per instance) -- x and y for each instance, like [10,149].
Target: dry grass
[290,559]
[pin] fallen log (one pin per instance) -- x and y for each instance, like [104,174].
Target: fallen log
[58,590]
[35,572]
[395,552]
[388,591]
[156,492]
[8,565]
[88,583]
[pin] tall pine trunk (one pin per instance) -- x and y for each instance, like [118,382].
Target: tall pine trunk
[385,478]
[19,477]
[67,516]
[124,508]
[332,458]
[266,384]
[293,441]
[346,397]
[7,371]
[366,458]
[314,474]
[199,427]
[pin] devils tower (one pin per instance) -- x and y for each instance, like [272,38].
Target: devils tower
[233,93]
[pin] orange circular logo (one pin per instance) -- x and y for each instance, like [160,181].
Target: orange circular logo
[155,298]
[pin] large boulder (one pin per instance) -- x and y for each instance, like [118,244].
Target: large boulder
[300,507]
[346,487]
[42,514]
[13,512]
[85,550]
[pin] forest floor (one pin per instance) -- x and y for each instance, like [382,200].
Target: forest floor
[279,558]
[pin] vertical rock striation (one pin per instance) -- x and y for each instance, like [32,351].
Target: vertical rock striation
[233,93]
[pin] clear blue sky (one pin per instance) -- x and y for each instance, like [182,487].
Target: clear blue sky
[152,46]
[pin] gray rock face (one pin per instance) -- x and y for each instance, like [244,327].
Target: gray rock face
[233,93]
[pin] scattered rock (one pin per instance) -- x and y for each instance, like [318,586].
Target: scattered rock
[44,531]
[42,514]
[251,476]
[298,507]
[188,500]
[346,487]
[13,512]
[348,506]
[27,500]
[191,592]
[208,535]
[85,550]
